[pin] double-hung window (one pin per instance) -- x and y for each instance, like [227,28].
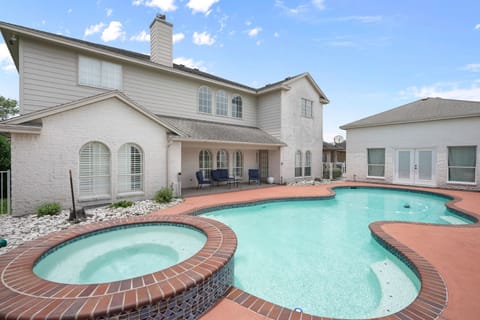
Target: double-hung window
[237,107]
[307,108]
[221,103]
[204,99]
[376,162]
[98,73]
[462,164]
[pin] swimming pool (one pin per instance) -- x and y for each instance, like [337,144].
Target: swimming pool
[119,253]
[319,255]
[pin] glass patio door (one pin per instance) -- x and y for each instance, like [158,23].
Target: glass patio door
[415,167]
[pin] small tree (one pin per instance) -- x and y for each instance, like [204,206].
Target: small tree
[4,154]
[8,108]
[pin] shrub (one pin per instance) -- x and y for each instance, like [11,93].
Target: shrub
[336,173]
[50,209]
[121,204]
[164,195]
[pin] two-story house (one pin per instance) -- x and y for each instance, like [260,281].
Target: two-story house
[127,124]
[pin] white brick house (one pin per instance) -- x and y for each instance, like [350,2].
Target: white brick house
[127,124]
[430,142]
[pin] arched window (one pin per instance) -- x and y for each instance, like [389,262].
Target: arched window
[238,164]
[308,164]
[205,163]
[237,106]
[94,172]
[222,159]
[298,164]
[204,99]
[130,168]
[222,103]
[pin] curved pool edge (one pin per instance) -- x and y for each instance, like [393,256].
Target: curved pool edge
[188,288]
[433,296]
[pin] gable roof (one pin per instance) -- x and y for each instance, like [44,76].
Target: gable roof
[206,131]
[29,119]
[428,109]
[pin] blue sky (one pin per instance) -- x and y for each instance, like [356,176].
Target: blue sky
[367,56]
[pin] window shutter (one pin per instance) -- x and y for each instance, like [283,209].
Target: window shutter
[94,171]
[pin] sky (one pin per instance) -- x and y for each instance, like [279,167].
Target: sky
[367,56]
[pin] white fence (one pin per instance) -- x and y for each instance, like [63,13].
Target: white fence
[5,200]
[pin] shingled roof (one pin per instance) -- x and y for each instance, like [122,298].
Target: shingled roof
[197,130]
[428,109]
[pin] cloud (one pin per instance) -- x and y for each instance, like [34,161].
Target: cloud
[202,6]
[190,63]
[94,28]
[300,9]
[472,67]
[6,62]
[69,10]
[259,42]
[254,32]
[142,36]
[362,19]
[319,4]
[203,39]
[113,31]
[477,27]
[445,90]
[108,11]
[177,37]
[164,5]
[276,35]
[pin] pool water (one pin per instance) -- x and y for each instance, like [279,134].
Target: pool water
[121,253]
[319,255]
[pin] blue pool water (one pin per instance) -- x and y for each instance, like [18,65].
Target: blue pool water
[121,253]
[319,255]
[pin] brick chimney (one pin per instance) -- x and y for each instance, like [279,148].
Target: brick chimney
[161,47]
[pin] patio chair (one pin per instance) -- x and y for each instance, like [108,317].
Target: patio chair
[201,180]
[253,176]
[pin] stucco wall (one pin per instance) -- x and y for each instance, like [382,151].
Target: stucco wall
[40,163]
[436,135]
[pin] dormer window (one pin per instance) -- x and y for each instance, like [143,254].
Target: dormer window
[97,73]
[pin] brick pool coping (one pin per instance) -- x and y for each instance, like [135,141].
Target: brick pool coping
[194,284]
[432,298]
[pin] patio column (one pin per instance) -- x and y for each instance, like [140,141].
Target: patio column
[174,167]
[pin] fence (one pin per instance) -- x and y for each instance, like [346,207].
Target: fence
[5,200]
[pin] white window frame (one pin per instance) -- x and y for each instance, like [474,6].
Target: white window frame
[237,106]
[222,159]
[221,103]
[308,164]
[98,73]
[204,100]
[130,169]
[457,167]
[205,163]
[375,165]
[94,171]
[307,108]
[298,164]
[237,168]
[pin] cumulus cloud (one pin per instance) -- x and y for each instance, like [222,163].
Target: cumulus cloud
[445,90]
[142,36]
[202,6]
[254,32]
[203,39]
[164,5]
[94,28]
[6,62]
[113,31]
[190,63]
[177,37]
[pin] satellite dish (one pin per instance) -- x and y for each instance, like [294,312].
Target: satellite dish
[338,139]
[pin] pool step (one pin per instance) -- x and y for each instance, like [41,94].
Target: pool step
[397,288]
[452,220]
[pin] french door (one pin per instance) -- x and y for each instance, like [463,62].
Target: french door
[415,166]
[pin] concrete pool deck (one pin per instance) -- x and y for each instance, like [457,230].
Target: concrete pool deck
[454,251]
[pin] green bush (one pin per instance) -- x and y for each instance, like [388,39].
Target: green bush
[164,195]
[3,206]
[50,209]
[121,204]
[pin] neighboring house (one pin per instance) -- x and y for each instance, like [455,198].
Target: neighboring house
[334,152]
[430,142]
[127,124]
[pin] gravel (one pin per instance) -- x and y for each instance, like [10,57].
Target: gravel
[17,230]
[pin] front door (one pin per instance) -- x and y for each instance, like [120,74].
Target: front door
[263,164]
[415,166]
